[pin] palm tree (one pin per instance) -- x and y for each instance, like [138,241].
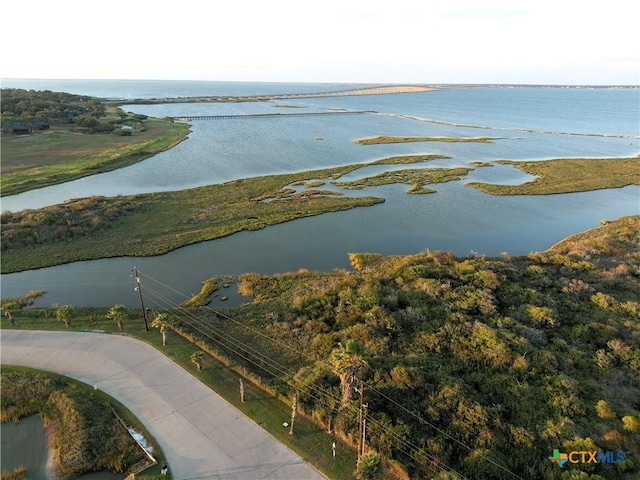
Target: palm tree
[369,466]
[196,359]
[118,314]
[347,360]
[163,322]
[64,314]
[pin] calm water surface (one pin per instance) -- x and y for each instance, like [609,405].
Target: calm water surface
[25,444]
[528,124]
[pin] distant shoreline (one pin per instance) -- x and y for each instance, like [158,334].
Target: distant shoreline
[376,90]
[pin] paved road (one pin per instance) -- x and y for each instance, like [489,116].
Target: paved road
[201,434]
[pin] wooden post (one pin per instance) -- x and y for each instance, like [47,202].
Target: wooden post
[139,290]
[360,446]
[241,391]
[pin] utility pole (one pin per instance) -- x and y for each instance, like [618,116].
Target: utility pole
[361,430]
[241,391]
[294,412]
[139,290]
[364,429]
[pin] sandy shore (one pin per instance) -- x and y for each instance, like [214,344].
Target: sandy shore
[381,90]
[378,90]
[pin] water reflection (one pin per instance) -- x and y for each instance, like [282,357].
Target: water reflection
[404,224]
[25,444]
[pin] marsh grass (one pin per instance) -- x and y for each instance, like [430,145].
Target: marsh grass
[18,473]
[157,223]
[417,178]
[84,423]
[203,297]
[569,175]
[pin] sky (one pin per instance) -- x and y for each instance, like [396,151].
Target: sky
[360,41]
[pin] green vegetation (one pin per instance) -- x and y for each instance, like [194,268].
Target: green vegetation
[84,425]
[18,473]
[483,365]
[381,139]
[261,405]
[157,223]
[404,159]
[417,178]
[67,151]
[569,175]
[209,287]
[56,108]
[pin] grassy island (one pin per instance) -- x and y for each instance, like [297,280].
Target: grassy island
[569,175]
[417,178]
[157,223]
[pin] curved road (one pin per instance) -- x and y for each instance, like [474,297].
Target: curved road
[202,435]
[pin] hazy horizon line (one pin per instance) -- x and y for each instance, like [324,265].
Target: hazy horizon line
[498,83]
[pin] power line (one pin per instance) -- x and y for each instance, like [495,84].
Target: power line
[316,392]
[414,451]
[369,387]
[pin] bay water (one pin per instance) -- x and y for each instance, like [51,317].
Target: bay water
[526,124]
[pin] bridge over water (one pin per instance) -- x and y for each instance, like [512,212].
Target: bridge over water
[187,118]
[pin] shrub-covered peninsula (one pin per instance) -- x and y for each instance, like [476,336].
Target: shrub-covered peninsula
[470,367]
[480,365]
[50,138]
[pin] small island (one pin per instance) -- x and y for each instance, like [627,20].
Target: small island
[384,139]
[569,175]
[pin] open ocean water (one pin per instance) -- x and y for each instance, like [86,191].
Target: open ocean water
[528,123]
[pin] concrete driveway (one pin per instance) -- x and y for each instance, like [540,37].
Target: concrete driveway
[202,435]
